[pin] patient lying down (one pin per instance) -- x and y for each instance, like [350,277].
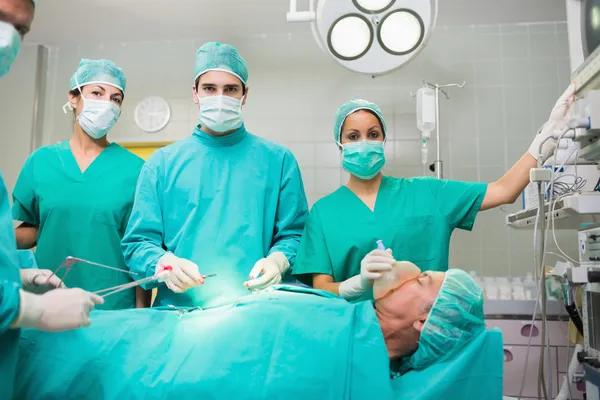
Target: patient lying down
[268,345]
[427,317]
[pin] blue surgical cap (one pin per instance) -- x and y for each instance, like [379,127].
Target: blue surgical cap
[98,71]
[350,107]
[454,320]
[213,56]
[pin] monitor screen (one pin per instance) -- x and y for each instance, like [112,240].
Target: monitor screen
[590,21]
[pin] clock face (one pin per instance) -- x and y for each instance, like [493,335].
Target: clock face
[152,114]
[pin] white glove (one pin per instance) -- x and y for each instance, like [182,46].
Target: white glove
[272,269]
[55,311]
[371,267]
[184,274]
[559,116]
[39,280]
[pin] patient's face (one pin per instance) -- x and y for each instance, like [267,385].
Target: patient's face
[410,301]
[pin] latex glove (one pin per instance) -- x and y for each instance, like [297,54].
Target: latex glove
[184,274]
[55,311]
[36,280]
[559,116]
[272,269]
[371,267]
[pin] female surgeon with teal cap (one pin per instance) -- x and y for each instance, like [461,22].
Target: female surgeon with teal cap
[413,217]
[74,198]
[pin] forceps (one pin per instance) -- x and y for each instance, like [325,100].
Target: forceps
[158,277]
[68,263]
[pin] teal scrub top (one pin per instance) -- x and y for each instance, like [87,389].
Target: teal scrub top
[79,214]
[222,202]
[10,283]
[414,217]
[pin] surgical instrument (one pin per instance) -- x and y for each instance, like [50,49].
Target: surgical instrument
[70,261]
[159,277]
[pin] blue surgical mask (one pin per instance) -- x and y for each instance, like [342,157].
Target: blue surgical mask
[10,44]
[363,159]
[98,117]
[220,113]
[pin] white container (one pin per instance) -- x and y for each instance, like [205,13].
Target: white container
[518,289]
[426,120]
[505,290]
[492,291]
[530,287]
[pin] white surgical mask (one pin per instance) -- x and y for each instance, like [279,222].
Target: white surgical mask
[98,117]
[220,113]
[10,44]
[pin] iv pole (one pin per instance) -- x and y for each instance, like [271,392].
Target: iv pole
[437,166]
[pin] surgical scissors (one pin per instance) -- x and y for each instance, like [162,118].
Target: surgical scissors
[70,261]
[117,289]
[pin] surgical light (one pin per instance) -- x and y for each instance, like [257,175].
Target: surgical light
[401,32]
[350,37]
[373,6]
[369,36]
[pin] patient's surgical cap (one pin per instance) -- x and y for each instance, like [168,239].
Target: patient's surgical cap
[351,107]
[454,320]
[213,56]
[98,71]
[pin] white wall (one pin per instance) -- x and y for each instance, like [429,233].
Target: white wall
[514,74]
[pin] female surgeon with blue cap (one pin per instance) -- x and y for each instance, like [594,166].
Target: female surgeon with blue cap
[414,217]
[58,309]
[74,198]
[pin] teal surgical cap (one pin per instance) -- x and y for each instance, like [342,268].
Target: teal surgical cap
[351,107]
[98,71]
[213,56]
[454,320]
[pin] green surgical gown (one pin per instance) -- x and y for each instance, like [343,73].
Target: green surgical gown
[414,217]
[223,203]
[79,214]
[10,283]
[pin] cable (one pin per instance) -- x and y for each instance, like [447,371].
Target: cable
[541,215]
[541,376]
[537,299]
[565,161]
[552,219]
[549,369]
[557,255]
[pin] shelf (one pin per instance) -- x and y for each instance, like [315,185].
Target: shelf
[570,212]
[517,309]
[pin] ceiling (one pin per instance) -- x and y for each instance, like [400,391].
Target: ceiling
[106,21]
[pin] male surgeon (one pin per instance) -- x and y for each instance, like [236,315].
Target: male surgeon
[221,201]
[58,309]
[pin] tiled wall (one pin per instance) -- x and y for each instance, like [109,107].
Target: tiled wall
[514,74]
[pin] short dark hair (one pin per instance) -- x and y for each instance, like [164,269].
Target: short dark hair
[243,85]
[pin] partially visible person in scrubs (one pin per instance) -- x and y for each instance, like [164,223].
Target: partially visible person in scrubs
[57,309]
[221,201]
[74,198]
[414,217]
